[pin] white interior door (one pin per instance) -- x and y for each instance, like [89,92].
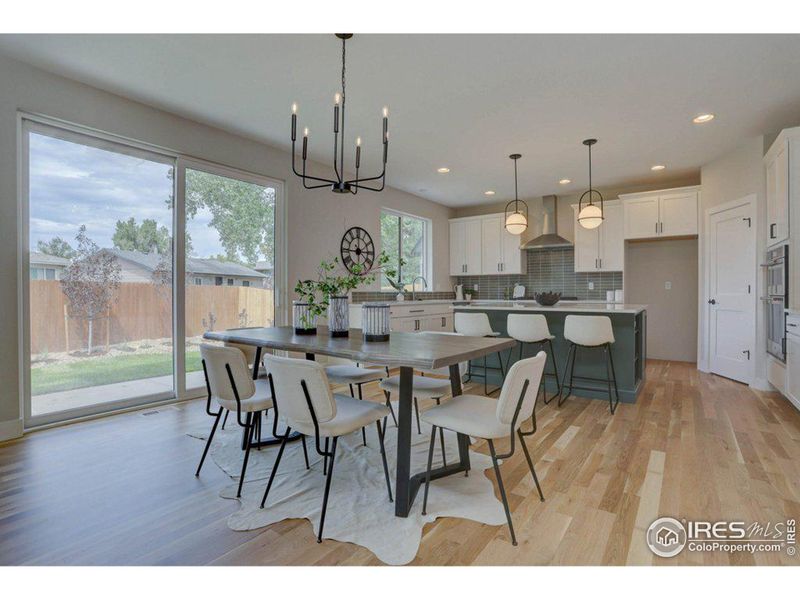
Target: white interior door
[731,292]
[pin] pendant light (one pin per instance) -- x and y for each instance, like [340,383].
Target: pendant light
[516,220]
[340,185]
[590,215]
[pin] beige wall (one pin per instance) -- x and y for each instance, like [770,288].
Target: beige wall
[733,176]
[671,313]
[316,219]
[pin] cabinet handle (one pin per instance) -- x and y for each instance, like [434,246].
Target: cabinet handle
[419,310]
[601,263]
[443,321]
[656,226]
[772,231]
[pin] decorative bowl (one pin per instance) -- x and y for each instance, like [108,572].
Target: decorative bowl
[547,298]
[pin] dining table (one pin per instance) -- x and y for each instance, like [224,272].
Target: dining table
[406,351]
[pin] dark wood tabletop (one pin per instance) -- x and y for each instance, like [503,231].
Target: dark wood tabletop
[423,351]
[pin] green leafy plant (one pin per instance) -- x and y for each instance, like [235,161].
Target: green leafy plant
[333,280]
[391,275]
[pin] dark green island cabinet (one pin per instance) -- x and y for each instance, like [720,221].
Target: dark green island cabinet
[629,322]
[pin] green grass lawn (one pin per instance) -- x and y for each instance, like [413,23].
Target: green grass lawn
[104,370]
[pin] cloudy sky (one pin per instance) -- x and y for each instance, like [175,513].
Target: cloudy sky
[73,185]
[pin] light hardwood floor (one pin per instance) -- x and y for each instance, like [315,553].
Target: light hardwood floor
[121,490]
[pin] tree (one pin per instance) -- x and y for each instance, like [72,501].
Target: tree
[90,282]
[56,247]
[242,213]
[147,237]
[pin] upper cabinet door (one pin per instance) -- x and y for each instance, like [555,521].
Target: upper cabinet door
[458,256]
[612,241]
[513,261]
[492,245]
[472,244]
[587,247]
[678,214]
[779,220]
[641,218]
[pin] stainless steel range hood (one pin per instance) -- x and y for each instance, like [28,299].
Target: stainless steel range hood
[549,237]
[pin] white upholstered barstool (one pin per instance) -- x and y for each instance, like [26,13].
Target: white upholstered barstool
[231,386]
[305,402]
[529,328]
[490,419]
[593,332]
[477,325]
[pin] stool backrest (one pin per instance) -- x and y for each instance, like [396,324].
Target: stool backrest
[530,370]
[474,324]
[215,359]
[287,377]
[527,327]
[588,330]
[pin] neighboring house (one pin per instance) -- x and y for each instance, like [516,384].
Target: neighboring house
[138,267]
[47,266]
[266,268]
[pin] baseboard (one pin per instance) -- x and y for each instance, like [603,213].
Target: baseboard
[762,385]
[10,430]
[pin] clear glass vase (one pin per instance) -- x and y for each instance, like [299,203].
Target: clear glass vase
[305,322]
[339,316]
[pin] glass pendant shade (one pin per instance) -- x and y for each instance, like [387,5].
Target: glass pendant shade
[516,223]
[590,217]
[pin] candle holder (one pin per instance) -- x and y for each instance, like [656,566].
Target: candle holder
[375,321]
[339,316]
[305,322]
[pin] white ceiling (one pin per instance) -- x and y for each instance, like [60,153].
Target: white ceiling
[462,101]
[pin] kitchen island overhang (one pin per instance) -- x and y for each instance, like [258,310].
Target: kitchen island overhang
[629,351]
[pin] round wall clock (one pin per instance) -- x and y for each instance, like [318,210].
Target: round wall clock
[357,249]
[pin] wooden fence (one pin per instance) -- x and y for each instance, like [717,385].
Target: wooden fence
[143,312]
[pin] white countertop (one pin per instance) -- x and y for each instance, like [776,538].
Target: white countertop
[569,306]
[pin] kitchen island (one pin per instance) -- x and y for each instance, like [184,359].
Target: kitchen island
[629,322]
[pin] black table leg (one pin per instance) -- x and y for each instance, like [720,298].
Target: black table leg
[407,486]
[270,441]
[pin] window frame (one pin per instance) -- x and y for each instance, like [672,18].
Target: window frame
[427,243]
[27,123]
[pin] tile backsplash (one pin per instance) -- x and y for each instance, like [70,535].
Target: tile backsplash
[359,297]
[552,269]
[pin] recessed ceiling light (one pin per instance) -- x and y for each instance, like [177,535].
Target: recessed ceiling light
[704,118]
[489,193]
[564,181]
[658,167]
[442,170]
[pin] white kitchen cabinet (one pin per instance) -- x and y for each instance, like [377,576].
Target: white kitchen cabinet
[482,246]
[777,174]
[602,248]
[660,213]
[465,247]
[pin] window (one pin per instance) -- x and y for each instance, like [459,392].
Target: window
[198,281]
[408,237]
[246,283]
[230,281]
[217,280]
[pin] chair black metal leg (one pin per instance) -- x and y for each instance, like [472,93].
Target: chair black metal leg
[530,465]
[416,410]
[613,379]
[325,458]
[208,443]
[485,377]
[248,436]
[391,410]
[327,491]
[502,492]
[441,437]
[502,369]
[275,466]
[305,451]
[383,457]
[428,472]
[571,354]
[363,429]
[555,371]
[225,420]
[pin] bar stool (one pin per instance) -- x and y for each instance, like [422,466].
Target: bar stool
[533,329]
[589,331]
[477,325]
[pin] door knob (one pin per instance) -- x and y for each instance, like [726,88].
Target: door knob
[712,301]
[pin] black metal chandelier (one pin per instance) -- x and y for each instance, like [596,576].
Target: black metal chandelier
[516,221]
[590,215]
[340,185]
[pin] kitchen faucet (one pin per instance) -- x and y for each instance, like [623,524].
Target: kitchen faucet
[413,288]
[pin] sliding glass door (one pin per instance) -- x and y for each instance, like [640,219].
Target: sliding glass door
[106,224]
